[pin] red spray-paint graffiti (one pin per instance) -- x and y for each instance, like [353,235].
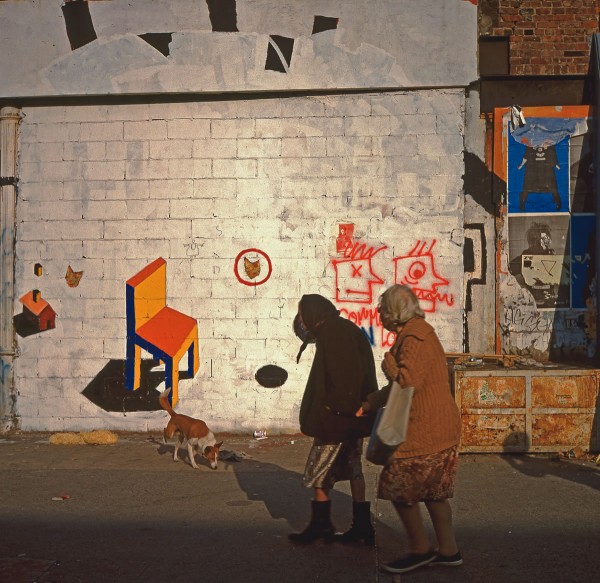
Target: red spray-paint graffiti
[354,275]
[417,270]
[368,319]
[344,238]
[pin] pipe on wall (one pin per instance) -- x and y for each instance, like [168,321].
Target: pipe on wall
[9,123]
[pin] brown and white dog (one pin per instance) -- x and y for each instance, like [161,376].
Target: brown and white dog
[194,431]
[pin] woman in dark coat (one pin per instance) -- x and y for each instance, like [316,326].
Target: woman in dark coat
[341,377]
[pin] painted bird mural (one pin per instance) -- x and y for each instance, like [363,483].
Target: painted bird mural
[73,277]
[252,268]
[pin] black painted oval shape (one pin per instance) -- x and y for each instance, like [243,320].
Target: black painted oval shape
[271,376]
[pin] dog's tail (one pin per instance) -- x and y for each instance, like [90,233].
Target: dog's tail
[164,402]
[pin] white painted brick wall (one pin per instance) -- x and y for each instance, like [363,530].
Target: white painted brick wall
[107,189]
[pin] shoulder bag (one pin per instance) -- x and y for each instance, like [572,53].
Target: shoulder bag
[391,425]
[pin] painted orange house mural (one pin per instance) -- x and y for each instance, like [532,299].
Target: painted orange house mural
[38,314]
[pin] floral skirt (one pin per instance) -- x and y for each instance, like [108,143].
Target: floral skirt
[329,463]
[419,479]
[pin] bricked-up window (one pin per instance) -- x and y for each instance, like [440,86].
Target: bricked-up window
[493,56]
[547,37]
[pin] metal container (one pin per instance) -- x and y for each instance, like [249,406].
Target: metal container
[518,410]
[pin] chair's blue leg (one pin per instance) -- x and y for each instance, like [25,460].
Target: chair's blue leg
[130,364]
[191,360]
[169,377]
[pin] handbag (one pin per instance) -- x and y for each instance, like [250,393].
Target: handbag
[391,425]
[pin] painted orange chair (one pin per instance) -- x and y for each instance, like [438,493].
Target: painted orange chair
[154,327]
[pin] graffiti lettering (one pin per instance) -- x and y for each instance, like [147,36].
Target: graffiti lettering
[368,320]
[369,315]
[526,321]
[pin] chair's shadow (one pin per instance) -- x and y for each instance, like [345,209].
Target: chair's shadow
[107,390]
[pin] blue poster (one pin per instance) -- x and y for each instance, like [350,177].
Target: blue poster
[583,271]
[538,169]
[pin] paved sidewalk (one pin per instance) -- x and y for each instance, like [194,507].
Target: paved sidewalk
[132,515]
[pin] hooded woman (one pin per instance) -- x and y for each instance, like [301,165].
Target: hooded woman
[341,377]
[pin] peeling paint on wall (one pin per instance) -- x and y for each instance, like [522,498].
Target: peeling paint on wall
[122,47]
[279,53]
[78,21]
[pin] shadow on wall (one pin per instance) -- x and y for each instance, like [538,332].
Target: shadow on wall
[107,390]
[541,465]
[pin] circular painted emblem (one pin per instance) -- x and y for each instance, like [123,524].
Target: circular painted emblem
[250,267]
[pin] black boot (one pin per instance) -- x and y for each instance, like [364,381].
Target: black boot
[361,530]
[320,525]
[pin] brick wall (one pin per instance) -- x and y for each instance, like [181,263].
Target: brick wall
[547,37]
[107,189]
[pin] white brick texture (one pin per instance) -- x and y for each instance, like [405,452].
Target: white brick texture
[108,189]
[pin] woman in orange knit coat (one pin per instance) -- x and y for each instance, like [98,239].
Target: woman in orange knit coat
[423,468]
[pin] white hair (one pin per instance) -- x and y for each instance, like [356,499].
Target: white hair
[399,304]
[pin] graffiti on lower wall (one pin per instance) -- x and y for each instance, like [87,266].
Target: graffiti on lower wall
[354,274]
[358,281]
[368,319]
[417,270]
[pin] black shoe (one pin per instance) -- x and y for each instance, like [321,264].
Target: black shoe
[409,563]
[356,535]
[362,530]
[311,534]
[447,561]
[320,526]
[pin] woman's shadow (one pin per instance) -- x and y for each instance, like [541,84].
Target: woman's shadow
[279,489]
[516,453]
[285,497]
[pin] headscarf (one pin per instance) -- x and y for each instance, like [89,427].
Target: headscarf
[315,309]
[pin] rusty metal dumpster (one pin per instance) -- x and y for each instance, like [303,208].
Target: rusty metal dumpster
[518,410]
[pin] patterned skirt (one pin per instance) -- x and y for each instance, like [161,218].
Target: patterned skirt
[330,463]
[422,478]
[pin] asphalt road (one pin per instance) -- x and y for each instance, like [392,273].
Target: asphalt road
[128,513]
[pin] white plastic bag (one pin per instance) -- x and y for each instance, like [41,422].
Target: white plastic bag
[391,425]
